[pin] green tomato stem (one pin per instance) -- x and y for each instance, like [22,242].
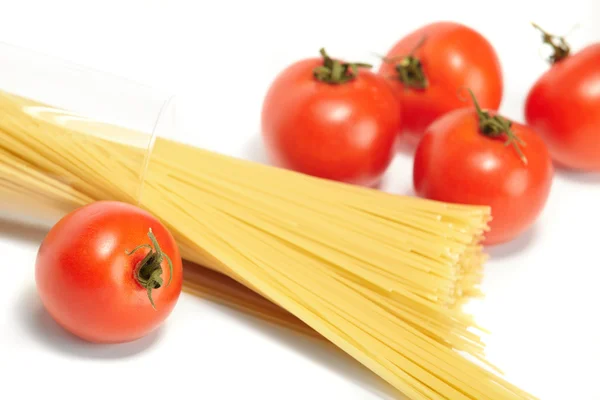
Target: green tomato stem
[497,126]
[560,47]
[409,69]
[335,72]
[149,272]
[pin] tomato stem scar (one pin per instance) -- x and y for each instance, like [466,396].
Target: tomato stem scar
[560,48]
[336,72]
[149,272]
[497,126]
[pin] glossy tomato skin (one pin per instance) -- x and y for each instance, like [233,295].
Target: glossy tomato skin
[86,281]
[344,132]
[455,163]
[454,58]
[564,107]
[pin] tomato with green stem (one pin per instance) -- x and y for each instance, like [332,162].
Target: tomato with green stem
[429,66]
[331,119]
[475,156]
[563,105]
[109,272]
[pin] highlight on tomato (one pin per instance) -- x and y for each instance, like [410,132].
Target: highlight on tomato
[109,272]
[475,156]
[563,105]
[331,119]
[428,67]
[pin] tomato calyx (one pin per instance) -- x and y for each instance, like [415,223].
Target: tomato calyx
[336,72]
[409,69]
[496,126]
[560,47]
[149,270]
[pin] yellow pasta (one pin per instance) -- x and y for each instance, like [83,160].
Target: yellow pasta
[381,276]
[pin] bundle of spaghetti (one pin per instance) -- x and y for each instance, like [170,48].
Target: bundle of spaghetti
[381,276]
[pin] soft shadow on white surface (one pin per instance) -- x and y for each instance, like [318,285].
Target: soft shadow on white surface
[514,247]
[254,150]
[32,317]
[321,352]
[407,145]
[588,178]
[21,231]
[392,184]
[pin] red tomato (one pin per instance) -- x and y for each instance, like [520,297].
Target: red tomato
[564,107]
[335,127]
[98,284]
[428,67]
[456,162]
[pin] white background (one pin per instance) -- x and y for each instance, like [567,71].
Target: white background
[219,57]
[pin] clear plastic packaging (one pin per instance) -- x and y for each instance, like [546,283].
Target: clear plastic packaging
[50,107]
[87,102]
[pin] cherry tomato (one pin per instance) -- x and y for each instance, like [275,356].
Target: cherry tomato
[109,272]
[330,119]
[428,68]
[472,156]
[564,106]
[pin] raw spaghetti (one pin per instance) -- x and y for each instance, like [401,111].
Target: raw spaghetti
[380,276]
